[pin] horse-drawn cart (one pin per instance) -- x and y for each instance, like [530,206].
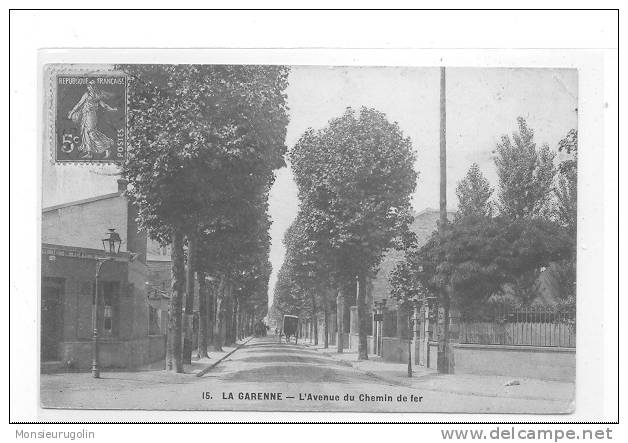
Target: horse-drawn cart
[290,327]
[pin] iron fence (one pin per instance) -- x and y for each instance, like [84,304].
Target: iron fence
[530,326]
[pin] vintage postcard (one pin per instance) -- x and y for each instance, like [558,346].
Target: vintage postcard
[256,237]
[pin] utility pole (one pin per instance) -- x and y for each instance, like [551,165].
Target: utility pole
[443,152]
[443,360]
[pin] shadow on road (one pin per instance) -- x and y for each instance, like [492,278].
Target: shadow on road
[274,344]
[277,347]
[291,373]
[287,358]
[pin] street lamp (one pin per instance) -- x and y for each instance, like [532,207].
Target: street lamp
[109,246]
[112,238]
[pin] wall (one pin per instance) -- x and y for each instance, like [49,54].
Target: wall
[85,224]
[395,349]
[114,353]
[136,318]
[432,349]
[345,341]
[160,274]
[130,345]
[424,224]
[77,298]
[353,342]
[516,361]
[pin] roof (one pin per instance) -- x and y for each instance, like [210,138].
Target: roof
[82,202]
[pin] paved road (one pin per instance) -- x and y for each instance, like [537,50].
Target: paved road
[267,375]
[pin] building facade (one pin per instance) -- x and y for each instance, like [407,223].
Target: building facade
[72,236]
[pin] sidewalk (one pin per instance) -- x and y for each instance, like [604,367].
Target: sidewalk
[113,381]
[466,384]
[202,366]
[198,365]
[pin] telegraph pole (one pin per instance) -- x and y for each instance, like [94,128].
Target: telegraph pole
[443,354]
[443,151]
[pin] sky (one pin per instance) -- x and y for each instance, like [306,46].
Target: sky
[482,105]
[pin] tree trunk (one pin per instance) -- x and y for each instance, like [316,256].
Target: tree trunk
[219,323]
[339,320]
[233,323]
[174,360]
[314,319]
[189,299]
[236,317]
[227,314]
[203,315]
[360,301]
[211,314]
[442,362]
[325,322]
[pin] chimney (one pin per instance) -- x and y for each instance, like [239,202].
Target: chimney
[122,184]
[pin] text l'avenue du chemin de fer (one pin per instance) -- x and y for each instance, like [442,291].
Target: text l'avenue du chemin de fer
[315,397]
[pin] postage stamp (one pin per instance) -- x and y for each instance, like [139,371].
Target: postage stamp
[89,117]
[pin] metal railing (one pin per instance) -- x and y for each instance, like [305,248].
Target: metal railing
[530,326]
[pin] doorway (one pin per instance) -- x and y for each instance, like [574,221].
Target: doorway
[51,318]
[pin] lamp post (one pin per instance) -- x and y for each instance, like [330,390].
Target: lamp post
[109,242]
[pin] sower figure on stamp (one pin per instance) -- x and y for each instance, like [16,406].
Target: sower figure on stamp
[85,113]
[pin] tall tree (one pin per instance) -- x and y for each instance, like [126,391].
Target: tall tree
[566,213]
[526,174]
[357,177]
[200,135]
[474,194]
[567,187]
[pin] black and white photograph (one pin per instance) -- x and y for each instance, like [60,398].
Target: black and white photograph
[309,238]
[314,217]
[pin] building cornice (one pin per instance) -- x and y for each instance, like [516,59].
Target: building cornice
[82,253]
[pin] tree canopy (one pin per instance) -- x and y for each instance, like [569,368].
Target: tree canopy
[526,174]
[474,193]
[355,178]
[204,138]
